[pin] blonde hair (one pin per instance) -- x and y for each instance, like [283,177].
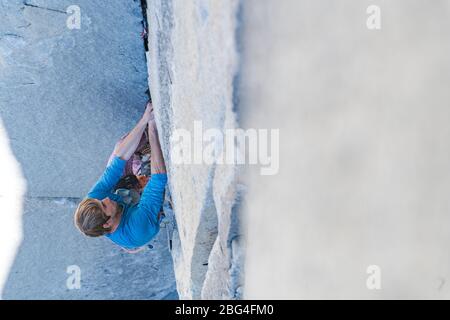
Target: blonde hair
[90,218]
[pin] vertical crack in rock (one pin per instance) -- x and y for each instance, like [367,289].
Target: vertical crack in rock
[206,235]
[144,24]
[144,35]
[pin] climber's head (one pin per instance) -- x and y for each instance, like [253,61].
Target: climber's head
[96,218]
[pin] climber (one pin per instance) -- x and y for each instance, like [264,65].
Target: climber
[104,213]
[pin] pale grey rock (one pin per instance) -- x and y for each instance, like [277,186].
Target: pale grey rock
[66,97]
[364,171]
[191,78]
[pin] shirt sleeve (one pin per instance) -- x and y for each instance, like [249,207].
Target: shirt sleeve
[152,197]
[109,179]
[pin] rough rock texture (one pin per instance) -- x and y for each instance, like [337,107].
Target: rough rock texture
[69,94]
[66,97]
[192,67]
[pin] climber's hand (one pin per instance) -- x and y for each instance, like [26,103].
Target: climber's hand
[148,114]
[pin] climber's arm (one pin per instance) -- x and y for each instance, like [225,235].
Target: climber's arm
[157,159]
[108,179]
[143,224]
[153,195]
[125,149]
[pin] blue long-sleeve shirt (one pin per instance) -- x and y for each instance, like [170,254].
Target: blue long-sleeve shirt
[139,223]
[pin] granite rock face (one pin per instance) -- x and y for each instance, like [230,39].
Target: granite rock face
[69,94]
[66,96]
[193,63]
